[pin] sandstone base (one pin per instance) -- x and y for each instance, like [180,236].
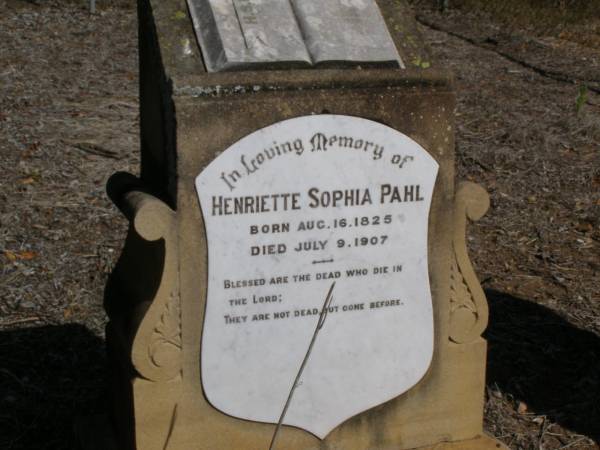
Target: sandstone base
[96,433]
[482,443]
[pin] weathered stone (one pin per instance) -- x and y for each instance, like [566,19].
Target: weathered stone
[346,31]
[236,34]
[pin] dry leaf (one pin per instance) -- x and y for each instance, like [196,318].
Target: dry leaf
[522,408]
[10,255]
[584,226]
[25,255]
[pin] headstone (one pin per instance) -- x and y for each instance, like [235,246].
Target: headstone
[295,275]
[289,210]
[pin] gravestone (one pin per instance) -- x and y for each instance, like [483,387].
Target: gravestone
[295,275]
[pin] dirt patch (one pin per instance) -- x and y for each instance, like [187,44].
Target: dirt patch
[572,20]
[530,134]
[68,119]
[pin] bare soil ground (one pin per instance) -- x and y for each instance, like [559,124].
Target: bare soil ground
[527,130]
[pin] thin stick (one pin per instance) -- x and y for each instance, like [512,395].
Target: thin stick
[21,320]
[320,323]
[94,149]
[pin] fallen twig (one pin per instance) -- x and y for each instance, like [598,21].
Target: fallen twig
[19,321]
[95,149]
[296,383]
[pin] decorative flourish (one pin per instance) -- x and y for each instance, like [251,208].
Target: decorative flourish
[156,352]
[468,305]
[156,321]
[145,312]
[166,339]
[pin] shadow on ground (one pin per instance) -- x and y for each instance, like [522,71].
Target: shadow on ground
[48,377]
[51,375]
[539,358]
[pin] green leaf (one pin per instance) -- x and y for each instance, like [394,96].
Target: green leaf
[582,98]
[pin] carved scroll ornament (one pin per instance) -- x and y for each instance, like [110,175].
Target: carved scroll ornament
[156,343]
[468,305]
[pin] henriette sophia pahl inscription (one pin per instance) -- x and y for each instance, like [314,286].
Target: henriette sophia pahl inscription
[287,210]
[295,275]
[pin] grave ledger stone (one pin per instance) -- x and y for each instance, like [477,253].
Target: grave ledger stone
[295,274]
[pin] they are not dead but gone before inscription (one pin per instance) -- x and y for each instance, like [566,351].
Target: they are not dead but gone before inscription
[289,210]
[237,34]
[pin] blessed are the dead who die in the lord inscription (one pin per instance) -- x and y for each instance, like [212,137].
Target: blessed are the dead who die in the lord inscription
[288,210]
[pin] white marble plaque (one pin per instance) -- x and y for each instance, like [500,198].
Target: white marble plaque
[289,210]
